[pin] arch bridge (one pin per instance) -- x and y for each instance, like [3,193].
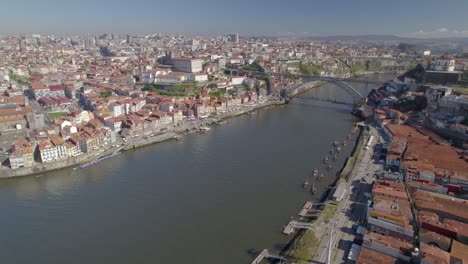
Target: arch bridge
[289,92]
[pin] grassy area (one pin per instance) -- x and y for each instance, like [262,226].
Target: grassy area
[178,90]
[56,115]
[217,94]
[105,94]
[305,248]
[328,212]
[348,167]
[310,68]
[357,68]
[253,67]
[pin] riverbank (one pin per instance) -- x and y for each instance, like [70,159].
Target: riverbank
[305,244]
[40,168]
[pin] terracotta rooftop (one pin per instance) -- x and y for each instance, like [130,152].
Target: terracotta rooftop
[432,254]
[369,256]
[423,153]
[459,251]
[440,203]
[405,248]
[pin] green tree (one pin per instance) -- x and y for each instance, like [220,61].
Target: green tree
[310,68]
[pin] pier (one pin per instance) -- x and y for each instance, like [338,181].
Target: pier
[293,225]
[310,210]
[266,254]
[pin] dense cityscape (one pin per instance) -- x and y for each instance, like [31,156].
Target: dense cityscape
[256,141]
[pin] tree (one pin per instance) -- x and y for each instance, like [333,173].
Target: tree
[310,68]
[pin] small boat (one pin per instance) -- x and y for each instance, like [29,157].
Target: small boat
[321,176]
[338,149]
[332,151]
[204,129]
[335,143]
[306,183]
[315,172]
[176,137]
[313,189]
[326,159]
[335,157]
[344,143]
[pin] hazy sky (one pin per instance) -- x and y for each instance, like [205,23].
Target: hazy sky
[426,18]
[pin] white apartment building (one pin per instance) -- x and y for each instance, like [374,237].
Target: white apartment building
[187,65]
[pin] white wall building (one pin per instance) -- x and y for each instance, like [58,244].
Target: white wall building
[187,64]
[444,63]
[237,80]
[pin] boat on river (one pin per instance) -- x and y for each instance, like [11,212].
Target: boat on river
[321,176]
[306,183]
[204,129]
[326,159]
[313,189]
[315,173]
[338,149]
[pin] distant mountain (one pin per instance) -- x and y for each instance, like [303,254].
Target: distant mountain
[385,38]
[356,38]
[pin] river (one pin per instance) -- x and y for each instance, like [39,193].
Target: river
[207,198]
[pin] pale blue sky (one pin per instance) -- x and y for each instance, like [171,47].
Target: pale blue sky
[426,18]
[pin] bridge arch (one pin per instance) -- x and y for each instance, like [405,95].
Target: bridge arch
[292,90]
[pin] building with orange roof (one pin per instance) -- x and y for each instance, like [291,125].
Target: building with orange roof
[369,256]
[387,245]
[459,251]
[443,205]
[22,154]
[390,213]
[424,157]
[431,255]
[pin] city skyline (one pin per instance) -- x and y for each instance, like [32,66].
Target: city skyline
[295,18]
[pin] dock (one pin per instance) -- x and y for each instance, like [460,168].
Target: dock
[293,225]
[309,210]
[265,254]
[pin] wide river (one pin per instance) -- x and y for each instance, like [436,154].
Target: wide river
[207,198]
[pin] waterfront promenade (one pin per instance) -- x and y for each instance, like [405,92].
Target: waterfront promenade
[340,226]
